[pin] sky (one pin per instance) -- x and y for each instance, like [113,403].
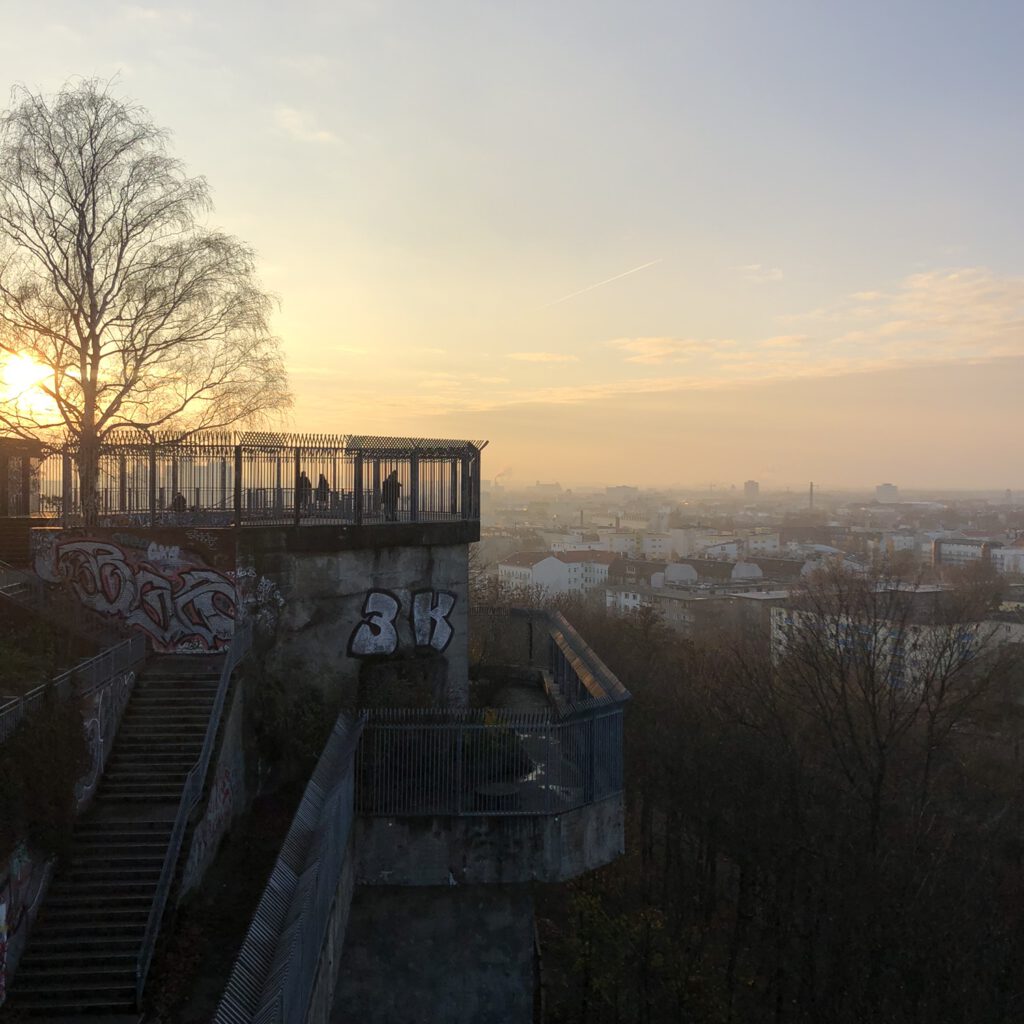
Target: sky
[625,242]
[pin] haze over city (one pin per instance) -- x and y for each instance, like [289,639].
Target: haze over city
[653,244]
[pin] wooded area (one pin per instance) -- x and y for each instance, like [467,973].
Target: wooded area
[814,840]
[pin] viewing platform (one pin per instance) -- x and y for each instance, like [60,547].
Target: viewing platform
[247,479]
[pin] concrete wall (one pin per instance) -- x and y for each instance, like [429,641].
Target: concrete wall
[454,954]
[227,798]
[102,711]
[487,850]
[384,623]
[327,970]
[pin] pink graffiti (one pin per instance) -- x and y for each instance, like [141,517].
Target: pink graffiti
[179,607]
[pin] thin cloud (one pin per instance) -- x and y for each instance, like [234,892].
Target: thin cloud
[543,357]
[965,316]
[662,350]
[600,284]
[156,16]
[783,341]
[301,125]
[761,274]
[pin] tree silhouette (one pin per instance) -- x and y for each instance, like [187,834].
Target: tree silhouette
[142,315]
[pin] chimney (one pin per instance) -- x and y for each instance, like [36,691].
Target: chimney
[811,495]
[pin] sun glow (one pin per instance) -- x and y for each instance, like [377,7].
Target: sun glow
[20,380]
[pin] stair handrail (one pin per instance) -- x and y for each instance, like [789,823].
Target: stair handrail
[191,793]
[82,679]
[9,575]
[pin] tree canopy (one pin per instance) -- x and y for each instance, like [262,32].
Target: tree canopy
[135,312]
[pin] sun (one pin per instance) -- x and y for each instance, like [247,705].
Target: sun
[20,378]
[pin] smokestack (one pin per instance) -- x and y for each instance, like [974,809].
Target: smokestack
[811,495]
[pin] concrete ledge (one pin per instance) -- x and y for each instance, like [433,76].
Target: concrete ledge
[310,539]
[489,850]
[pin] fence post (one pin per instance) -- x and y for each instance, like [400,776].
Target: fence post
[298,489]
[458,770]
[122,484]
[238,485]
[466,489]
[152,483]
[5,476]
[474,465]
[357,490]
[65,488]
[414,487]
[453,498]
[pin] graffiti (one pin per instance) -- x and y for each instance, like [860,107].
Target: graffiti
[376,633]
[180,607]
[259,599]
[203,539]
[102,715]
[163,554]
[22,884]
[211,829]
[430,625]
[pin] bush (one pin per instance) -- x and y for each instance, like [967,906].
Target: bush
[39,767]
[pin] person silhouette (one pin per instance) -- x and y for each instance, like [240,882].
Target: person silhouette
[390,492]
[305,489]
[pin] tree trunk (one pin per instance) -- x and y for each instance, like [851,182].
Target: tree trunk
[88,479]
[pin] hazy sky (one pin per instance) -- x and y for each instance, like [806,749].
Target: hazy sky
[634,242]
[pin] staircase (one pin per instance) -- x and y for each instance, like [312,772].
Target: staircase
[84,949]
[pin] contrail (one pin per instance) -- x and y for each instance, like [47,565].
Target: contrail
[607,280]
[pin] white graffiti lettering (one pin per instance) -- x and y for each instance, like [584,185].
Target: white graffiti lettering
[430,610]
[376,634]
[163,553]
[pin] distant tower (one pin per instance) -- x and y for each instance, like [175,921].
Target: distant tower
[810,496]
[751,489]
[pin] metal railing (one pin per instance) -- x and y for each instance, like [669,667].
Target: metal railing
[191,794]
[274,976]
[83,679]
[500,761]
[22,587]
[487,762]
[264,480]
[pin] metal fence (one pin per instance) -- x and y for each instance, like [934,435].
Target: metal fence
[81,680]
[266,480]
[487,762]
[274,977]
[191,793]
[501,761]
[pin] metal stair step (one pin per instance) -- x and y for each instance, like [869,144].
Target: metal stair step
[63,886]
[30,970]
[51,945]
[105,857]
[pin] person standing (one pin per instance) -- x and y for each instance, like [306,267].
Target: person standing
[390,491]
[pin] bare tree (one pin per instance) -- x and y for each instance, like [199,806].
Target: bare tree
[878,664]
[142,315]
